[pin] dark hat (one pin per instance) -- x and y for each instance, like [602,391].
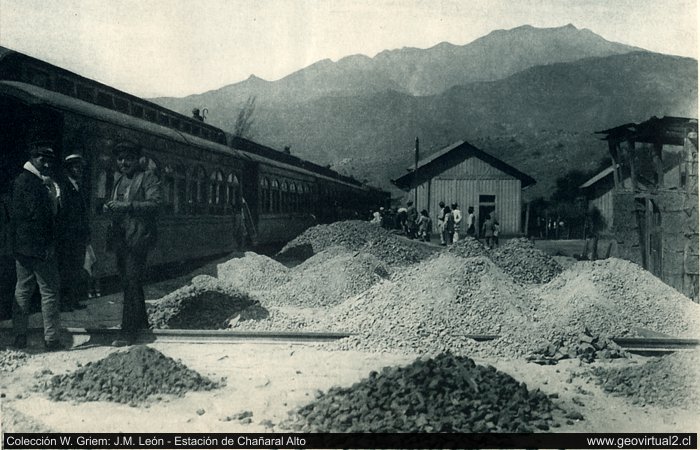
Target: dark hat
[127,147]
[42,147]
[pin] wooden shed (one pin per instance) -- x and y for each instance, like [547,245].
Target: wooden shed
[463,174]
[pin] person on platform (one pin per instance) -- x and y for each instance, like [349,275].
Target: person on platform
[441,222]
[469,222]
[457,215]
[448,226]
[34,207]
[411,219]
[133,207]
[73,235]
[487,231]
[425,226]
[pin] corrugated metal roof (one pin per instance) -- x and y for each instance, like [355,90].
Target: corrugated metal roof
[407,180]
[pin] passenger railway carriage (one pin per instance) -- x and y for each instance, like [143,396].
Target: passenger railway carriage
[217,189]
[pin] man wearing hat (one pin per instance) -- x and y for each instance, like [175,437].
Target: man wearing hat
[34,207]
[73,234]
[133,207]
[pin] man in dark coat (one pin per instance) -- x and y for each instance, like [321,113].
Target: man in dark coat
[73,234]
[34,207]
[133,207]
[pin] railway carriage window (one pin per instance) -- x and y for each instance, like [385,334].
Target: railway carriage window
[137,110]
[121,105]
[104,99]
[232,193]
[39,78]
[163,119]
[276,193]
[169,189]
[265,195]
[180,198]
[104,180]
[86,93]
[216,181]
[186,127]
[285,204]
[65,86]
[151,115]
[294,199]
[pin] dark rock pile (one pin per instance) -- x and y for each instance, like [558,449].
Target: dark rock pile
[586,348]
[671,381]
[127,377]
[526,264]
[356,235]
[444,394]
[11,360]
[203,305]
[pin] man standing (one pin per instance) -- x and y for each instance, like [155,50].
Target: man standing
[441,222]
[73,235]
[134,205]
[457,215]
[35,204]
[411,219]
[471,227]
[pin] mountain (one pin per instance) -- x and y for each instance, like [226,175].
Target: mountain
[411,70]
[540,119]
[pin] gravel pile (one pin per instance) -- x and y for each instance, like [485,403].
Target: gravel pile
[526,264]
[671,381]
[278,320]
[468,248]
[356,235]
[253,272]
[607,298]
[445,394]
[205,304]
[429,308]
[11,360]
[127,377]
[328,278]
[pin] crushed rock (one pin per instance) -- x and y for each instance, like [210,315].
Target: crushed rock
[12,359]
[328,278]
[468,247]
[356,235]
[608,298]
[253,272]
[445,394]
[205,304]
[671,381]
[526,264]
[130,377]
[431,307]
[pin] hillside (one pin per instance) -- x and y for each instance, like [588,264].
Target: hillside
[540,119]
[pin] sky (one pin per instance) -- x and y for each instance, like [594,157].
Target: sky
[180,47]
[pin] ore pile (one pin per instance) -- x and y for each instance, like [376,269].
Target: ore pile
[609,298]
[277,320]
[445,394]
[468,248]
[127,377]
[356,235]
[588,349]
[328,278]
[526,264]
[670,381]
[253,272]
[11,360]
[431,308]
[205,304]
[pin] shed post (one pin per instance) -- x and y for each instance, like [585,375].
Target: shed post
[415,176]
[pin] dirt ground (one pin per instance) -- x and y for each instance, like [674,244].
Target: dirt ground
[271,379]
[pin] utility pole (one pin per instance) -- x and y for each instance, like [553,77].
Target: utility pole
[415,178]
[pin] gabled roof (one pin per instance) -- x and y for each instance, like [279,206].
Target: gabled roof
[458,152]
[666,130]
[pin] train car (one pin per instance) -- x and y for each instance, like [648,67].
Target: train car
[218,191]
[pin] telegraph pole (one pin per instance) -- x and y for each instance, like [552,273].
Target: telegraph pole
[415,178]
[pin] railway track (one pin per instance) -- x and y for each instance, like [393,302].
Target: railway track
[104,336]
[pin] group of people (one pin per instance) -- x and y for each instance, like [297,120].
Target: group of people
[47,229]
[451,224]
